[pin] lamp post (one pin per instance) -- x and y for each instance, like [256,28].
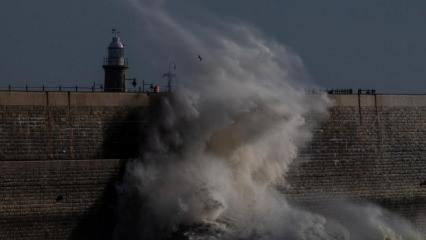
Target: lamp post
[170,75]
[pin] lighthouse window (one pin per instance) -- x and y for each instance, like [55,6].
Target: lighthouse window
[116,53]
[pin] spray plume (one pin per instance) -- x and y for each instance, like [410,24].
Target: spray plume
[221,143]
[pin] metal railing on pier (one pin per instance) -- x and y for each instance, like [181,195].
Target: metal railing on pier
[145,88]
[359,91]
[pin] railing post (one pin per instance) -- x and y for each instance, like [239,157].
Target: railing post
[143,85]
[10,88]
[76,88]
[43,87]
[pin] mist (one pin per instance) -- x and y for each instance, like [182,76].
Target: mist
[221,143]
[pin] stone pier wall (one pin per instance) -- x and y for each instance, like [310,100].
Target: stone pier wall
[64,125]
[371,148]
[59,156]
[58,199]
[59,161]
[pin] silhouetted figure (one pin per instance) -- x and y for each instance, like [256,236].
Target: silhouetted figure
[200,58]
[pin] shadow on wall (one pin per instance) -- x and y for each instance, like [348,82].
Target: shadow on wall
[99,221]
[130,205]
[122,137]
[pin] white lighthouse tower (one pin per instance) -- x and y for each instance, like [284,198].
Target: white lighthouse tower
[115,66]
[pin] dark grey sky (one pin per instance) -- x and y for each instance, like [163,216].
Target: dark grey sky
[359,43]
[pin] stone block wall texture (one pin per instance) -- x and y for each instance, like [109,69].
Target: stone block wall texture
[370,148]
[59,161]
[58,199]
[43,126]
[59,151]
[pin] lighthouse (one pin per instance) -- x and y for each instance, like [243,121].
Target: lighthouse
[115,66]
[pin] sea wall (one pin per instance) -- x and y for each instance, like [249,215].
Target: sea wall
[67,125]
[372,147]
[59,156]
[58,199]
[59,161]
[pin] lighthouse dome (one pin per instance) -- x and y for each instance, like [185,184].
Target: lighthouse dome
[116,43]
